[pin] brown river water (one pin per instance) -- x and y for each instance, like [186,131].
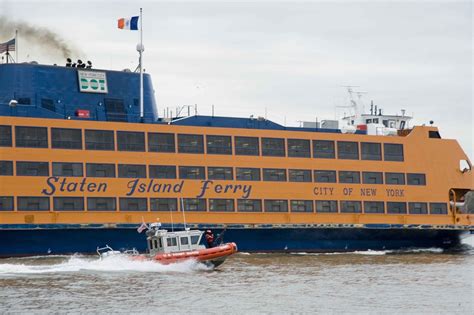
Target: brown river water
[373,282]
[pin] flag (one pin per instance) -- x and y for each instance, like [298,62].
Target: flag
[7,46]
[142,227]
[128,23]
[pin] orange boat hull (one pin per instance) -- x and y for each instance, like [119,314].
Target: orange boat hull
[215,255]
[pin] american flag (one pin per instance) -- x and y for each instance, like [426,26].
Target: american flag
[142,227]
[7,46]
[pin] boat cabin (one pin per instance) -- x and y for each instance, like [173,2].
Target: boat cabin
[162,241]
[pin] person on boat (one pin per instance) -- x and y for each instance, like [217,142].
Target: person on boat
[209,238]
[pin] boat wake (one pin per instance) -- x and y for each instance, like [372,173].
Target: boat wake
[115,263]
[434,250]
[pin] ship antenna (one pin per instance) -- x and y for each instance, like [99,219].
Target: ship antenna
[172,225]
[140,49]
[184,214]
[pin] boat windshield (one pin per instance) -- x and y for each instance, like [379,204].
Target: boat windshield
[195,239]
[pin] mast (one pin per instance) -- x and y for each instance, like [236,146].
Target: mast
[140,50]
[16,46]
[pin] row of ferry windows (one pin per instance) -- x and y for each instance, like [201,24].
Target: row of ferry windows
[220,205]
[62,138]
[213,173]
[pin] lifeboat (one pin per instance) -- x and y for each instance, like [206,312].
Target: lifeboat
[168,247]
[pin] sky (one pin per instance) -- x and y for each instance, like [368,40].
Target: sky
[287,60]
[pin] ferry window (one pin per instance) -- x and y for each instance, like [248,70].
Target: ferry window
[6,168]
[48,104]
[374,207]
[62,138]
[324,149]
[184,240]
[130,141]
[224,173]
[299,175]
[326,206]
[5,136]
[192,172]
[246,146]
[68,203]
[301,206]
[351,207]
[100,140]
[372,177]
[273,147]
[131,171]
[32,169]
[347,150]
[371,151]
[276,206]
[274,174]
[393,152]
[24,100]
[219,145]
[252,174]
[349,177]
[68,169]
[434,134]
[298,148]
[394,178]
[194,204]
[31,137]
[162,171]
[6,204]
[101,204]
[194,239]
[325,176]
[226,205]
[190,144]
[417,208]
[115,110]
[416,179]
[100,170]
[397,207]
[155,244]
[171,241]
[33,203]
[161,142]
[133,204]
[164,204]
[249,205]
[438,208]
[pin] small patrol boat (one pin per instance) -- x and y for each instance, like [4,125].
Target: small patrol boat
[170,247]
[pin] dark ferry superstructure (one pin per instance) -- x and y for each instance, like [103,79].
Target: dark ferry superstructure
[79,167]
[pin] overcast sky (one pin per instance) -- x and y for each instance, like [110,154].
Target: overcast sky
[287,58]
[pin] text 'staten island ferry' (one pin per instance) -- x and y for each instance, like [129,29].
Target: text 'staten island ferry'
[80,167]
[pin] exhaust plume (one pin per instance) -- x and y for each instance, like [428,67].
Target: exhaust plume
[41,36]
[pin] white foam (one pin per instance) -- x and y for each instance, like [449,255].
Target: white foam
[116,263]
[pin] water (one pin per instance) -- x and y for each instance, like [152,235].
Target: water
[415,281]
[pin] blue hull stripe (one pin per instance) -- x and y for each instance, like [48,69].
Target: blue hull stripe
[17,241]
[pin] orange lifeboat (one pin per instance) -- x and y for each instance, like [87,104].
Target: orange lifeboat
[169,247]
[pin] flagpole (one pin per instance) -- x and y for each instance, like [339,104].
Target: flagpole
[16,46]
[141,66]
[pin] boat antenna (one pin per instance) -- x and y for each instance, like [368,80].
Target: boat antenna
[184,214]
[172,225]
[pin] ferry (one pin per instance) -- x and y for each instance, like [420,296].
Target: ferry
[84,159]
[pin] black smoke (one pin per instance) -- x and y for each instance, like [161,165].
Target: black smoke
[39,36]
